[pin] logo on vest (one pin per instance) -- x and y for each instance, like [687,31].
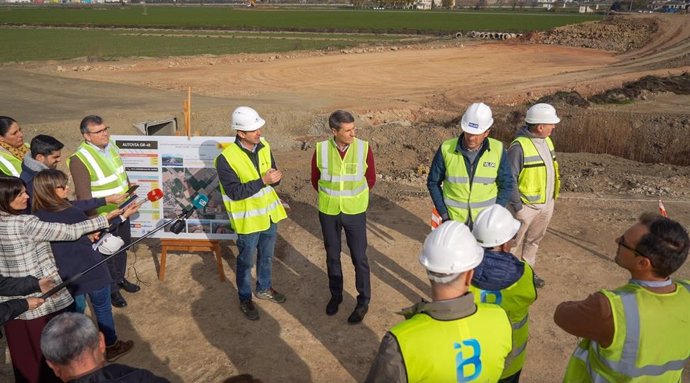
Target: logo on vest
[468,366]
[489,164]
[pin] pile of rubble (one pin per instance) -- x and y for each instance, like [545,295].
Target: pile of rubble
[616,34]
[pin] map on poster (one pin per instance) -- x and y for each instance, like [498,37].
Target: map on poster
[181,168]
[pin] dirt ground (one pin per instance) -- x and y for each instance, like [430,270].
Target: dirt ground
[189,328]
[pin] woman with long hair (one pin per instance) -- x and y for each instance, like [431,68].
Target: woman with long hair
[25,250]
[12,147]
[50,204]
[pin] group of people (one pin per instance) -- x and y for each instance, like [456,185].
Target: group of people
[45,238]
[494,206]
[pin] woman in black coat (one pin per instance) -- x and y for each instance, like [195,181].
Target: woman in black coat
[50,204]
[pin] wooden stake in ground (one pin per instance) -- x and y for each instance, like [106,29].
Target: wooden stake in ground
[187,111]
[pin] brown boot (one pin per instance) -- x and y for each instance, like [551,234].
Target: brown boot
[119,348]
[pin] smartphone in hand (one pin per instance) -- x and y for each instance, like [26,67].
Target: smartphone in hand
[132,189]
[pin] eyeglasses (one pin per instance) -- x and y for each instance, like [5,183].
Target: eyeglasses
[621,243]
[100,131]
[63,187]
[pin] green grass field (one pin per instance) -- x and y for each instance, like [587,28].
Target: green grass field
[109,35]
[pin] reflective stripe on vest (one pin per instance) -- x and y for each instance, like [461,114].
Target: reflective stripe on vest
[9,164]
[342,183]
[255,213]
[463,199]
[515,300]
[532,178]
[107,176]
[473,348]
[621,360]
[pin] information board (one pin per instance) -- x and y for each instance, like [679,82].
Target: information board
[180,167]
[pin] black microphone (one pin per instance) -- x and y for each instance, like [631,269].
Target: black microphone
[198,202]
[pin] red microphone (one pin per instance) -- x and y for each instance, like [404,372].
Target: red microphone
[153,195]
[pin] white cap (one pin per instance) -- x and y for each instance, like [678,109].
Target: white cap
[477,119]
[110,244]
[495,226]
[246,119]
[451,249]
[542,114]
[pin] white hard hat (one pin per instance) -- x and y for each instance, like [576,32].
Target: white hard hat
[542,114]
[451,249]
[477,119]
[110,244]
[495,226]
[246,119]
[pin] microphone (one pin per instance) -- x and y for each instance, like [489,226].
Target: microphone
[198,202]
[153,195]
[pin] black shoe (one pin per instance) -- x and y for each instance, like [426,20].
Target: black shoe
[332,306]
[358,314]
[129,286]
[117,300]
[538,282]
[249,310]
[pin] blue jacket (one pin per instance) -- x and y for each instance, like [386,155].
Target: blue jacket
[497,271]
[437,173]
[72,257]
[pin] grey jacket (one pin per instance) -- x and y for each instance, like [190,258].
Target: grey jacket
[516,159]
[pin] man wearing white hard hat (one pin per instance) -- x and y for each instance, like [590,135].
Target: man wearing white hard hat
[452,338]
[247,174]
[533,163]
[471,172]
[504,280]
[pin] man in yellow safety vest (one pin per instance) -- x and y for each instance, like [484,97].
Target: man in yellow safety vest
[247,174]
[471,172]
[533,162]
[639,331]
[452,338]
[504,280]
[97,171]
[343,172]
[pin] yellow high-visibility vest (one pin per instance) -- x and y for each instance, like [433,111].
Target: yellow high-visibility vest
[473,348]
[255,213]
[343,185]
[107,175]
[651,341]
[462,198]
[532,178]
[9,164]
[515,300]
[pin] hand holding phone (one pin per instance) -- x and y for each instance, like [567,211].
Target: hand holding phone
[132,189]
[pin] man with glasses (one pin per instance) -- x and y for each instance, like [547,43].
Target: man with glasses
[637,332]
[97,171]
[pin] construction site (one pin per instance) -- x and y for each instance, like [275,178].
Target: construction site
[621,87]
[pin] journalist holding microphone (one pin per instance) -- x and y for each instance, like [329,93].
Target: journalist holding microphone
[25,250]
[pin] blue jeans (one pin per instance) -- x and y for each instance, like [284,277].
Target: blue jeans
[263,245]
[102,309]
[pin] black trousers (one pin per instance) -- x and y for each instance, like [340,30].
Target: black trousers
[117,265]
[356,235]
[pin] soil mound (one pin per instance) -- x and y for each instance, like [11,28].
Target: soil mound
[636,89]
[618,34]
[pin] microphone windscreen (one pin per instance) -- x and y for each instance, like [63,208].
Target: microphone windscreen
[200,201]
[154,195]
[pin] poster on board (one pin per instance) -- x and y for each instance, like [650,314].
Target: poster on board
[181,168]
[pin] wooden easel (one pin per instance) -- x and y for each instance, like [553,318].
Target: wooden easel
[190,245]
